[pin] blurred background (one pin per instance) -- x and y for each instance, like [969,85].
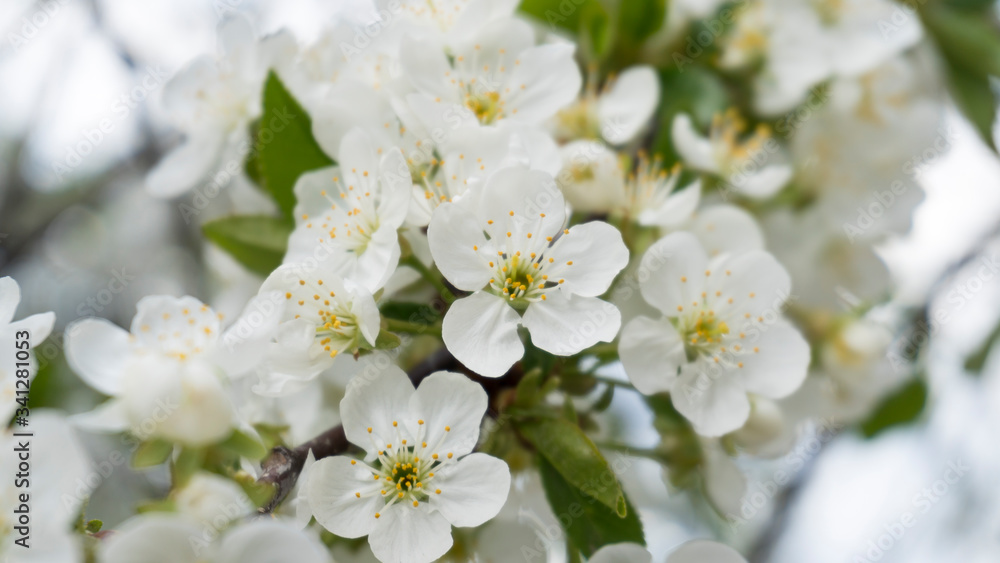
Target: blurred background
[80,125]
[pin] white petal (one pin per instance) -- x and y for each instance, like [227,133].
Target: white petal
[150,538]
[374,400]
[395,185]
[726,229]
[651,352]
[96,349]
[755,281]
[764,183]
[672,272]
[424,63]
[711,397]
[695,149]
[332,491]
[356,157]
[406,534]
[267,541]
[779,363]
[565,325]
[446,399]
[621,553]
[456,239]
[625,109]
[725,484]
[10,297]
[677,209]
[244,344]
[705,551]
[472,491]
[38,326]
[526,193]
[481,331]
[597,253]
[187,165]
[551,80]
[592,177]
[109,416]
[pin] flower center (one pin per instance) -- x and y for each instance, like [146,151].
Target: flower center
[650,185]
[406,468]
[733,145]
[486,105]
[703,333]
[578,121]
[353,219]
[336,324]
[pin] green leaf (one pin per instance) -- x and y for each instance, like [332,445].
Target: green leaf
[589,524]
[604,401]
[387,340]
[576,458]
[153,452]
[243,444]
[285,146]
[567,16]
[902,407]
[93,526]
[188,462]
[639,19]
[975,362]
[255,241]
[975,98]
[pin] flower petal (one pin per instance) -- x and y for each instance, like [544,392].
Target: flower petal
[695,149]
[676,210]
[10,297]
[651,352]
[374,400]
[407,534]
[567,324]
[779,363]
[149,538]
[726,229]
[267,541]
[765,182]
[472,491]
[588,257]
[109,416]
[186,165]
[672,272]
[627,107]
[481,331]
[332,489]
[38,326]
[711,397]
[551,80]
[424,63]
[705,551]
[96,349]
[621,553]
[755,281]
[455,237]
[449,400]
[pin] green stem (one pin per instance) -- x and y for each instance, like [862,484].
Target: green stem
[430,275]
[648,453]
[602,350]
[398,325]
[615,382]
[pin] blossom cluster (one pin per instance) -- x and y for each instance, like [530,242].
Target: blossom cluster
[458,180]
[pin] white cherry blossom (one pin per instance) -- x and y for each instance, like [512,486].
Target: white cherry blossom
[324,315]
[348,216]
[721,335]
[509,246]
[749,163]
[167,376]
[419,476]
[617,114]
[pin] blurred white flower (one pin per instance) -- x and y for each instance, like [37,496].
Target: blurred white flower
[508,244]
[348,216]
[323,316]
[748,164]
[212,500]
[426,480]
[704,551]
[721,336]
[17,362]
[213,101]
[618,114]
[154,537]
[167,376]
[496,77]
